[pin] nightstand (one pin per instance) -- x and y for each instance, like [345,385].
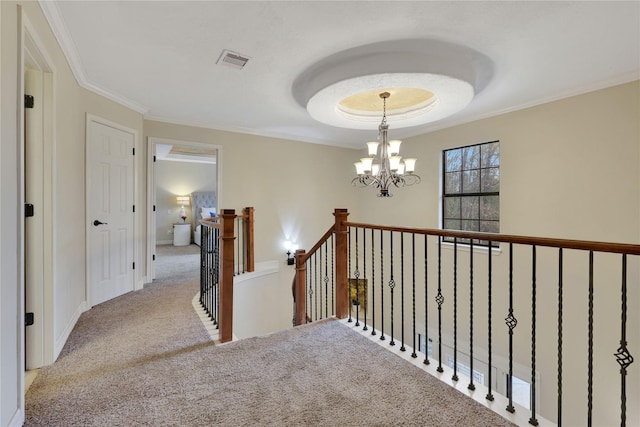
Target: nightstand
[181,234]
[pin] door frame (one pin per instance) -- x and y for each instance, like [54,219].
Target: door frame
[35,56]
[151,190]
[91,118]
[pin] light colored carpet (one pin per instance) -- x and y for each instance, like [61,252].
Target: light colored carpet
[144,359]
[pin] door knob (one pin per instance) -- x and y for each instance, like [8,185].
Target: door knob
[97,223]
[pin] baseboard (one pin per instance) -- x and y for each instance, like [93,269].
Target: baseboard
[60,341]
[17,419]
[164,242]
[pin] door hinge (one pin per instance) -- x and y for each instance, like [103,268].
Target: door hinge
[154,159]
[134,208]
[28,319]
[28,210]
[28,101]
[134,265]
[154,208]
[134,151]
[153,257]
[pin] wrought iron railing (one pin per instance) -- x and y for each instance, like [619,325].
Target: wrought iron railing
[226,250]
[407,285]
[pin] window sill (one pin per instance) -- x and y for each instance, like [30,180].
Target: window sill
[464,247]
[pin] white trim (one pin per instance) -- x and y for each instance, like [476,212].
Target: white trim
[151,185]
[52,13]
[96,119]
[20,205]
[62,339]
[17,420]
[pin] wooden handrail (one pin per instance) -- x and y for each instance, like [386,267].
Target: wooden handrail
[306,255]
[618,248]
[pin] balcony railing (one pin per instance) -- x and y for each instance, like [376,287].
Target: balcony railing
[226,250]
[562,302]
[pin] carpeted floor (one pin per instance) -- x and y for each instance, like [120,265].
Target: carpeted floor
[145,359]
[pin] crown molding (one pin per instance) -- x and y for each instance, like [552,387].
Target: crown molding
[58,27]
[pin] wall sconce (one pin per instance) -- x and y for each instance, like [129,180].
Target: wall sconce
[182,201]
[291,252]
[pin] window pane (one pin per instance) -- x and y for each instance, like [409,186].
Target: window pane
[452,224]
[490,207]
[471,181]
[490,226]
[490,180]
[490,154]
[452,160]
[471,157]
[452,207]
[470,225]
[470,207]
[452,182]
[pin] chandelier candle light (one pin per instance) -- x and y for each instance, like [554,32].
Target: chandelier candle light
[391,169]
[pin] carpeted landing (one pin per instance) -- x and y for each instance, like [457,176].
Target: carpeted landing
[145,359]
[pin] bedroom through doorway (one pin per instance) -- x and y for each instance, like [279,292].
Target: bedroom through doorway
[184,186]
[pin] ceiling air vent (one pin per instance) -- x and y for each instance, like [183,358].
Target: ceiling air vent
[232,59]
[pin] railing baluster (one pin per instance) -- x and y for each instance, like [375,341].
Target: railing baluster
[471,386]
[426,306]
[373,284]
[590,346]
[382,338]
[326,279]
[356,274]
[489,396]
[320,282]
[392,283]
[623,356]
[533,421]
[560,319]
[402,347]
[364,268]
[315,287]
[333,283]
[413,291]
[440,301]
[349,278]
[455,309]
[511,324]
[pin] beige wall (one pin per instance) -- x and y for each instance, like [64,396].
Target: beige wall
[569,169]
[66,286]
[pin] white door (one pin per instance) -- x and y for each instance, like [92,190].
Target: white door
[110,211]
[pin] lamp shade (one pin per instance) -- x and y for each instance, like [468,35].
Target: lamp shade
[366,163]
[394,146]
[359,168]
[410,165]
[183,200]
[373,148]
[394,162]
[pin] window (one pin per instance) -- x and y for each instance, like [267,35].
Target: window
[471,189]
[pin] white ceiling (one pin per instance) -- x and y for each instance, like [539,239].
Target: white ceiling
[160,57]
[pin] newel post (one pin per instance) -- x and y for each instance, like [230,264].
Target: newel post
[226,275]
[299,291]
[249,236]
[342,284]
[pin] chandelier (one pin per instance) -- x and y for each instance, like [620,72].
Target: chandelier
[390,169]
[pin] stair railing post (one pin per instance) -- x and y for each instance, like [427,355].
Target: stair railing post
[249,236]
[226,275]
[342,282]
[300,288]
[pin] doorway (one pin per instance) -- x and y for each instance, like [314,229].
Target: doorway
[175,169]
[38,187]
